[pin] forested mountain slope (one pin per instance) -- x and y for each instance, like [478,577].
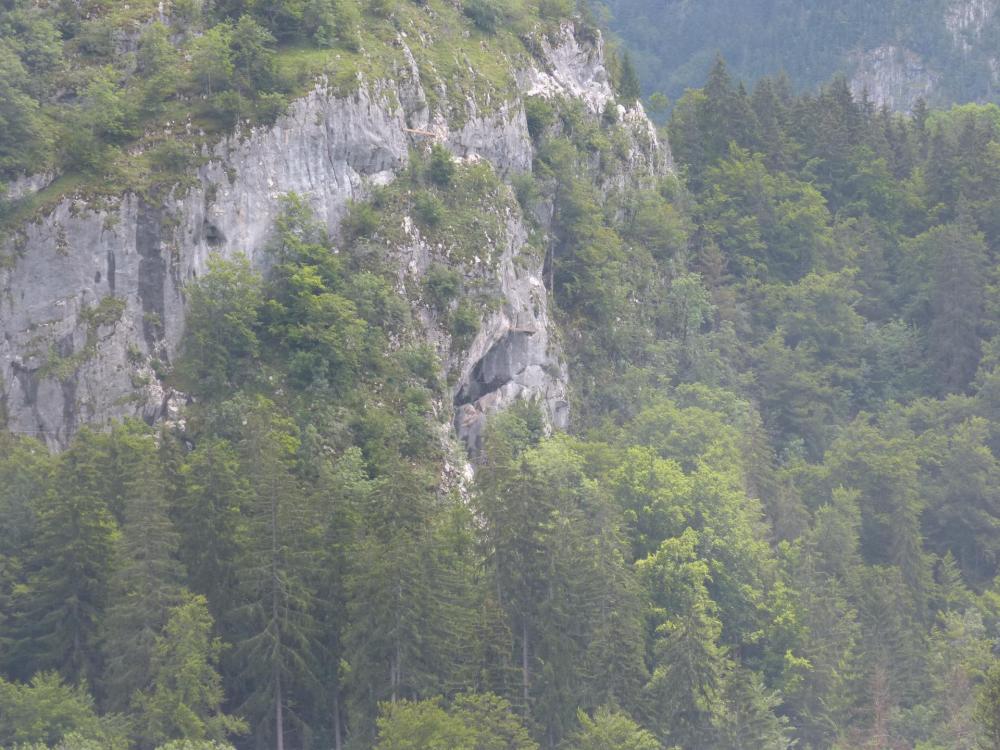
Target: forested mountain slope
[373,378]
[96,259]
[942,50]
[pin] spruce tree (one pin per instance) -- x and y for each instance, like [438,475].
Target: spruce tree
[749,720]
[149,578]
[628,84]
[393,603]
[683,698]
[58,613]
[276,640]
[214,494]
[987,710]
[957,299]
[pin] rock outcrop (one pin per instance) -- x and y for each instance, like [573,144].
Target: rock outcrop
[966,19]
[897,76]
[893,76]
[68,356]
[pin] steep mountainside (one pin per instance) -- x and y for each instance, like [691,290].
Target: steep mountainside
[942,50]
[371,379]
[93,291]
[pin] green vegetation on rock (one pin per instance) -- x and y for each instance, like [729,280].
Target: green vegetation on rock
[773,520]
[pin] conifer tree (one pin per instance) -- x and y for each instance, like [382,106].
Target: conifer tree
[512,520]
[393,601]
[628,84]
[957,298]
[215,492]
[26,469]
[60,610]
[987,709]
[343,490]
[276,641]
[148,580]
[683,698]
[185,694]
[609,730]
[749,721]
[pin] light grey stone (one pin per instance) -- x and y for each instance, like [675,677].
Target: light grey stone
[329,149]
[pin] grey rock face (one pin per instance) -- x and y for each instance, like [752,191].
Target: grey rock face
[893,76]
[328,149]
[965,20]
[515,354]
[501,138]
[896,76]
[65,360]
[570,68]
[27,185]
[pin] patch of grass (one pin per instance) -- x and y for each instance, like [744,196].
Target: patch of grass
[36,204]
[452,55]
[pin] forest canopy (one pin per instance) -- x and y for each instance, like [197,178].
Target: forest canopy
[774,521]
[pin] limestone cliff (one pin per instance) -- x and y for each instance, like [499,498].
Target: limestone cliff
[897,75]
[893,76]
[92,296]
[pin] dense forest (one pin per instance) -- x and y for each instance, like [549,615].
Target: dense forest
[774,521]
[674,42]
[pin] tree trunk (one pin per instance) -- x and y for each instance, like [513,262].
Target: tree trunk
[396,666]
[279,718]
[525,677]
[336,720]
